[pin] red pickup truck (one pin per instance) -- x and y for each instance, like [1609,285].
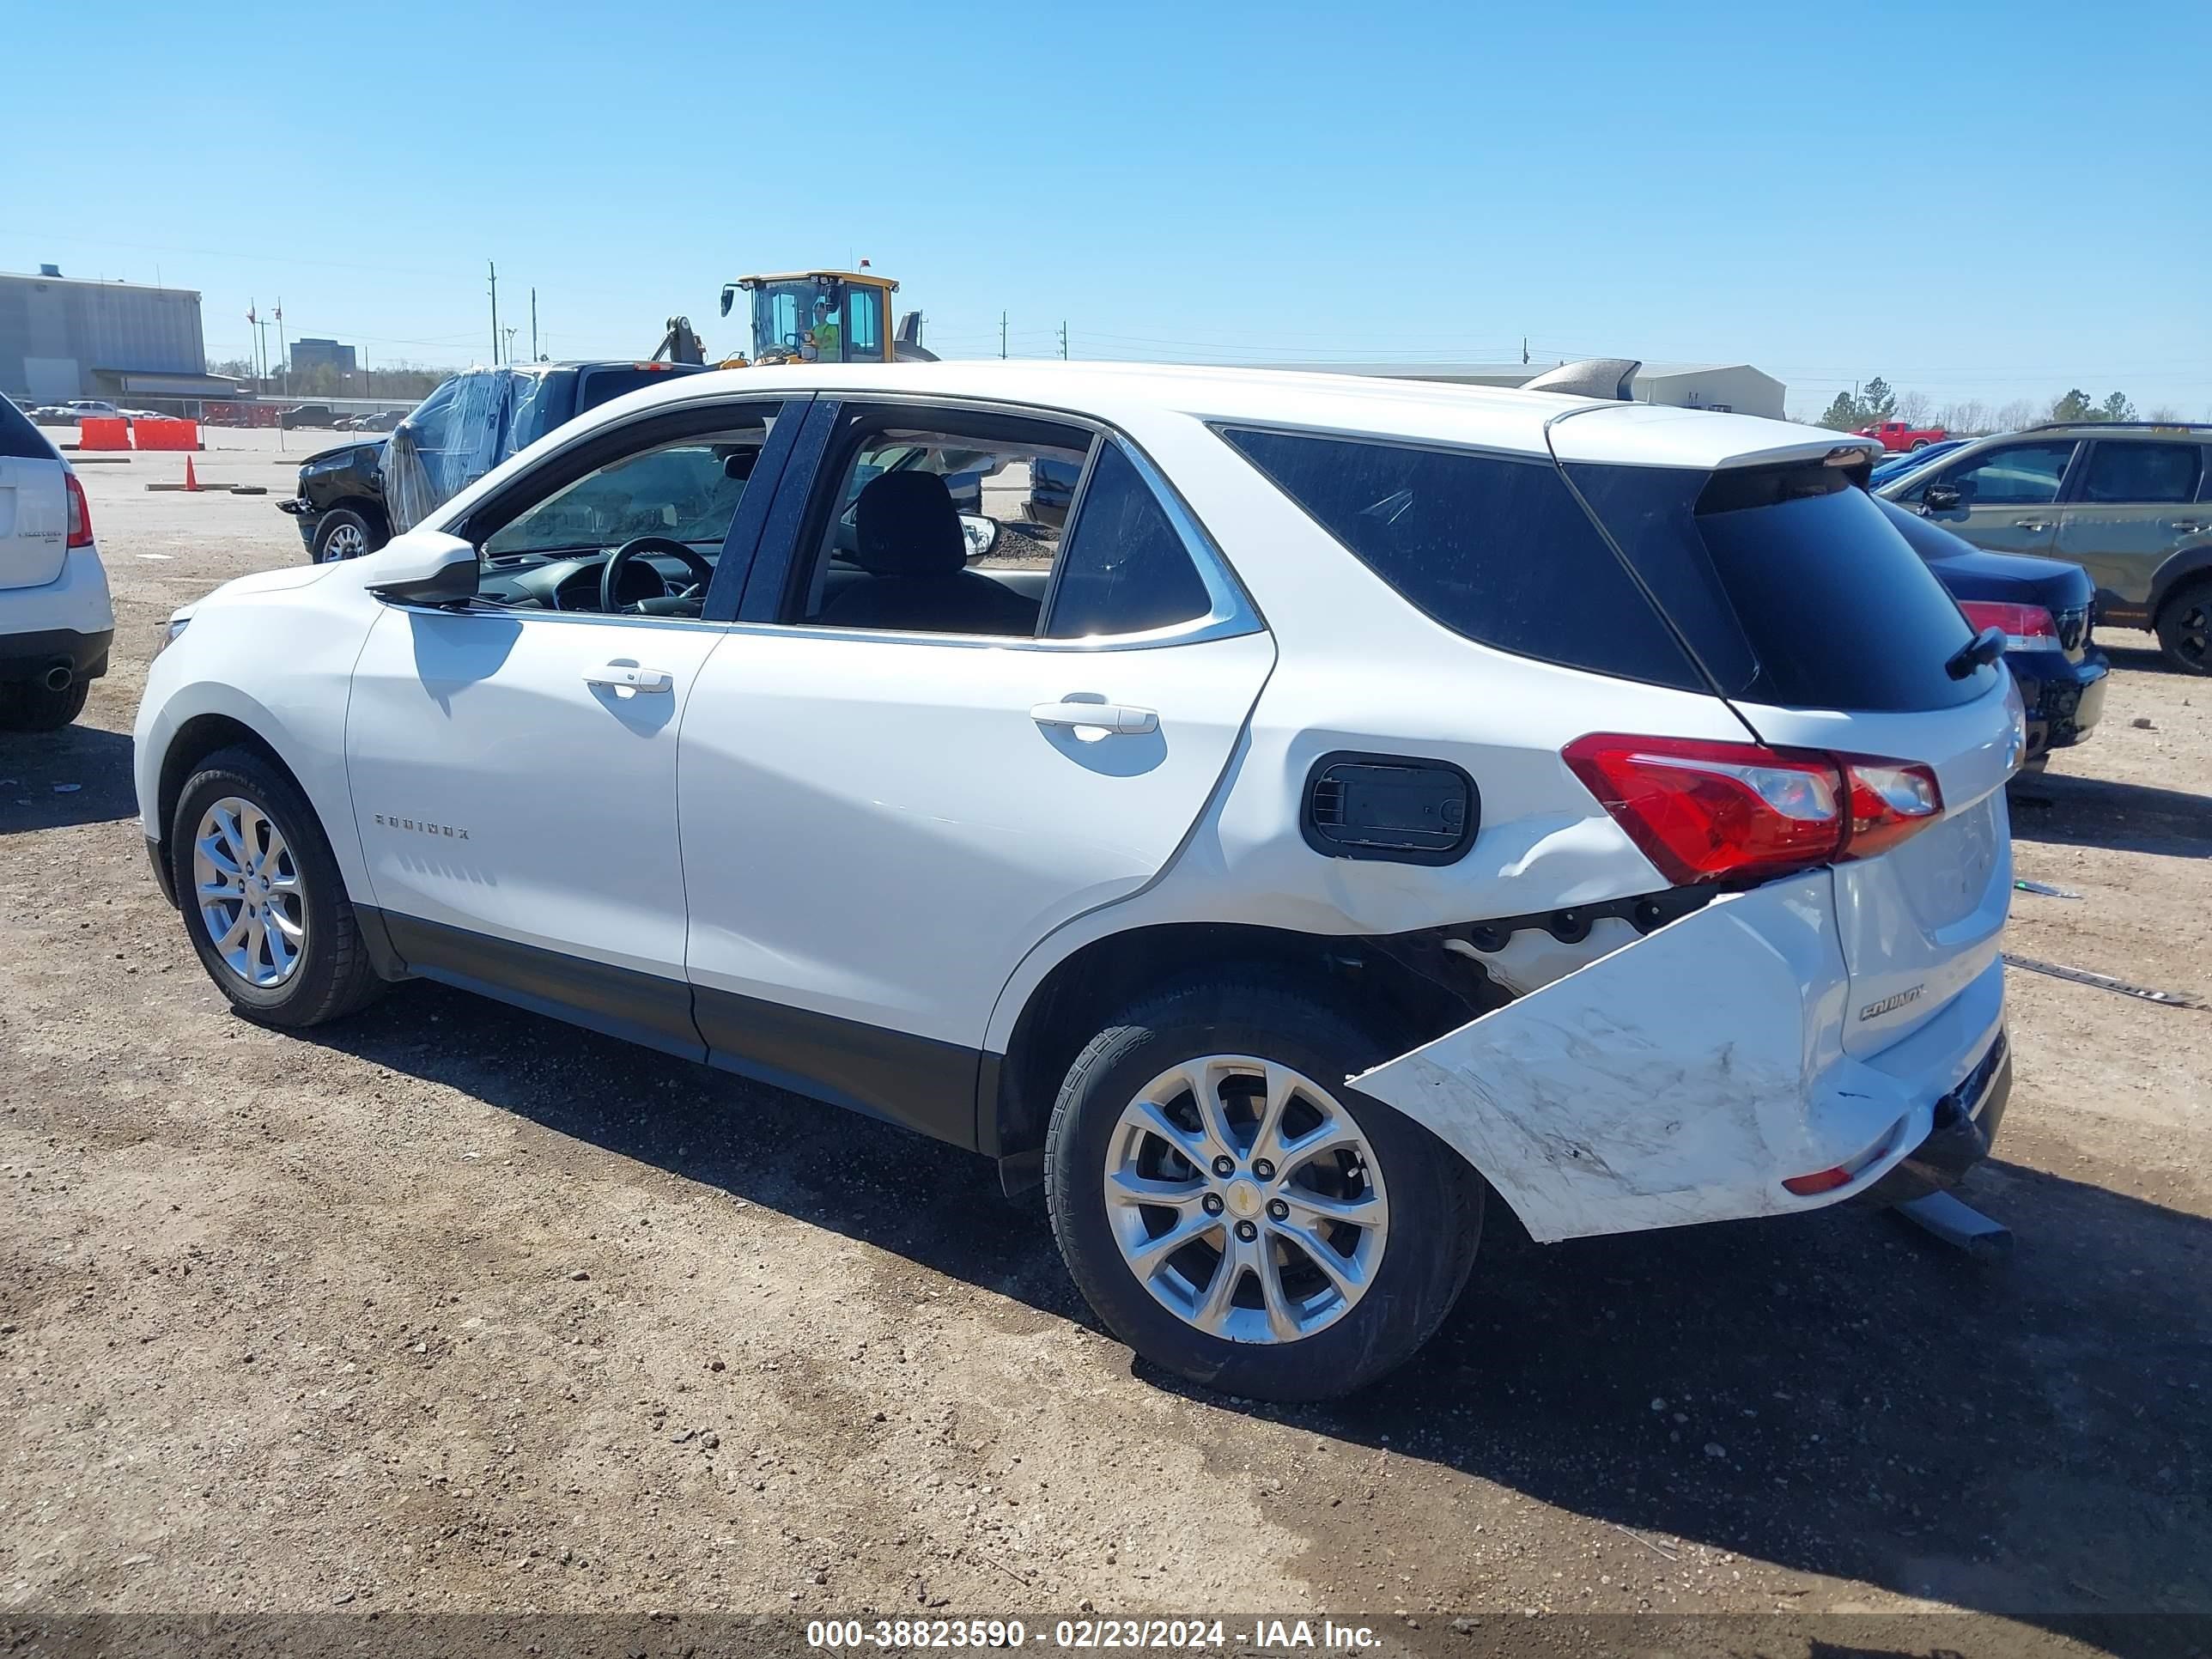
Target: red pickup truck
[1898,436]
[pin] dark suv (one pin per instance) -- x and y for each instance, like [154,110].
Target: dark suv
[356,497]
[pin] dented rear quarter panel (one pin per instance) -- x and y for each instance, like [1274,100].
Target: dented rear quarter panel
[1683,1077]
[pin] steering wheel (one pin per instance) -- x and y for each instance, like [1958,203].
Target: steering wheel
[637,547]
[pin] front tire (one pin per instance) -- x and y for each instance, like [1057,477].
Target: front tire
[344,533]
[1237,1215]
[2185,628]
[264,903]
[35,708]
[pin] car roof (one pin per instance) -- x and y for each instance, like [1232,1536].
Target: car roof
[1492,418]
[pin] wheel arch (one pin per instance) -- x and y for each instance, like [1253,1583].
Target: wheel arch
[1072,1001]
[197,738]
[2181,569]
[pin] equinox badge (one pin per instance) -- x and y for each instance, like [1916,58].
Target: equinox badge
[1891,1003]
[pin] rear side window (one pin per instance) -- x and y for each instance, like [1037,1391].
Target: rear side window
[1124,569]
[1494,548]
[19,439]
[2145,473]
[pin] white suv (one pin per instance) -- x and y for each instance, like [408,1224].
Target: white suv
[56,620]
[1367,800]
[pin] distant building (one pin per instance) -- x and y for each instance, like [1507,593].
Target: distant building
[321,354]
[63,337]
[1736,386]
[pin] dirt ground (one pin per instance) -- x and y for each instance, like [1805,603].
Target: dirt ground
[456,1308]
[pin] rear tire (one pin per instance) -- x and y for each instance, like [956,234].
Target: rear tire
[290,953]
[2185,627]
[35,708]
[1299,1334]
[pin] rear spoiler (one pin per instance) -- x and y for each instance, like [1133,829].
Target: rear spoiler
[1590,377]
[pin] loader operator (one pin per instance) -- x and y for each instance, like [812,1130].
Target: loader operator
[824,331]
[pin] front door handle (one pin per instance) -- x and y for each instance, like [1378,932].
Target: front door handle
[628,677]
[1115,717]
[2186,526]
[2031,523]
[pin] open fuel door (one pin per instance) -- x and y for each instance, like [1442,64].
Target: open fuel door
[1680,1078]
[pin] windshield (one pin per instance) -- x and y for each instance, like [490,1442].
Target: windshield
[791,318]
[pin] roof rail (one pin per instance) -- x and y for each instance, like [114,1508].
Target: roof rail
[2123,426]
[1590,377]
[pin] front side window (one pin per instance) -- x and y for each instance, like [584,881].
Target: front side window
[684,491]
[2143,474]
[2019,475]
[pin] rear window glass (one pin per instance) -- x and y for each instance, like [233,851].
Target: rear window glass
[1495,549]
[19,437]
[1791,584]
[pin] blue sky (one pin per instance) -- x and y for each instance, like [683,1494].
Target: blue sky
[1984,199]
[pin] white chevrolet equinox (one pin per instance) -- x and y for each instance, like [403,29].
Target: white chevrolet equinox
[1278,813]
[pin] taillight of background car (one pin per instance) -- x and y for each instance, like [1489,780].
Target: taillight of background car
[1705,811]
[80,514]
[2025,626]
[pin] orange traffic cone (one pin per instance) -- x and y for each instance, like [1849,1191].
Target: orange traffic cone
[191,481]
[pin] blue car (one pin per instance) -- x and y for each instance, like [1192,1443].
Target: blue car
[2045,609]
[1896,466]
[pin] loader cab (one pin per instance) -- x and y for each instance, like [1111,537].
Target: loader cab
[826,316]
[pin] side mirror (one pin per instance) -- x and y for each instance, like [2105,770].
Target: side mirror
[423,566]
[982,534]
[729,299]
[1941,498]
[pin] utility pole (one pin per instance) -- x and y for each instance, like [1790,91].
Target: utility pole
[494,269]
[1063,339]
[510,333]
[284,351]
[533,324]
[1002,336]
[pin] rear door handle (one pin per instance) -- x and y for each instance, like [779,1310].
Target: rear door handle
[627,676]
[2187,526]
[1115,717]
[2031,523]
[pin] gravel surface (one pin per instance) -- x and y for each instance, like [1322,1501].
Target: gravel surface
[453,1308]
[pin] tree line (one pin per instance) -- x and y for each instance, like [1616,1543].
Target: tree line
[1878,401]
[410,382]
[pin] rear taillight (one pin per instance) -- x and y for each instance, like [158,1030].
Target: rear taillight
[80,515]
[1890,799]
[2026,626]
[1704,812]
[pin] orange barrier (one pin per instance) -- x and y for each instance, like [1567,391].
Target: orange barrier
[167,435]
[104,432]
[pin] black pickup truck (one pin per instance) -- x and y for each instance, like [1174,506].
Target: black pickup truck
[354,498]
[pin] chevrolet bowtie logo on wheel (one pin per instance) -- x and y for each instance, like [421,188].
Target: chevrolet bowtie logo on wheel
[452,832]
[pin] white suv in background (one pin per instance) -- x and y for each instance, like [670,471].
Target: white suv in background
[1367,800]
[55,622]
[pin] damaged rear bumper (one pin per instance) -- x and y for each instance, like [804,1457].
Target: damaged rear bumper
[1687,1075]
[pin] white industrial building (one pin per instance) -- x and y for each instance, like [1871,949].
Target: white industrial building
[1735,386]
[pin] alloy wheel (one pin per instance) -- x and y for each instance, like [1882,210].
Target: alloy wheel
[346,542]
[2193,632]
[246,884]
[1245,1199]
